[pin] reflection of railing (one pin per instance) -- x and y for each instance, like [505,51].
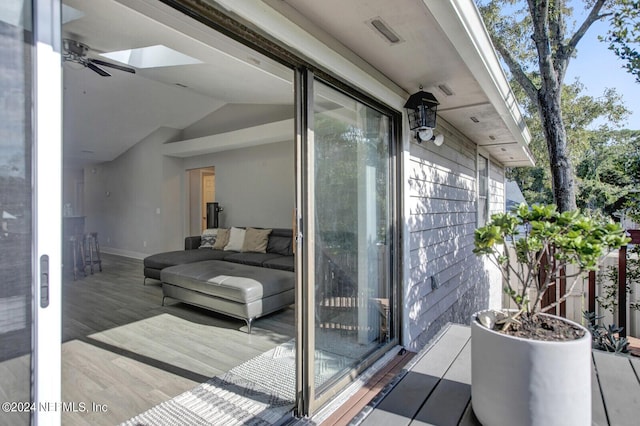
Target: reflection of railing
[341,304]
[336,289]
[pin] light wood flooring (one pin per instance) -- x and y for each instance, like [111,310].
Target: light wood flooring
[125,352]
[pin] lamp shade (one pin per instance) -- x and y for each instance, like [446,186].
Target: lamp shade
[421,108]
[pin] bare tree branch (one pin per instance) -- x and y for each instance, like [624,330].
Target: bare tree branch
[516,70]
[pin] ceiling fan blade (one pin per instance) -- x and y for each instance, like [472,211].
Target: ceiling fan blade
[98,69]
[108,64]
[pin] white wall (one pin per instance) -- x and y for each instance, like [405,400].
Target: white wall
[447,282]
[134,201]
[254,186]
[138,203]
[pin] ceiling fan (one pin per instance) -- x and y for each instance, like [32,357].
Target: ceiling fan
[74,51]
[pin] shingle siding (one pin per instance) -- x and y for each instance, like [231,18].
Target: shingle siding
[442,204]
[496,188]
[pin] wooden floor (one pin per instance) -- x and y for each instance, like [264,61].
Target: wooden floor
[436,389]
[122,350]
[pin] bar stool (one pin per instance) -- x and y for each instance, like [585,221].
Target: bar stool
[92,251]
[76,246]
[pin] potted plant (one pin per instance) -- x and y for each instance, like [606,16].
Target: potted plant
[529,367]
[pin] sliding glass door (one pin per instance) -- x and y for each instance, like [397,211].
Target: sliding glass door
[349,238]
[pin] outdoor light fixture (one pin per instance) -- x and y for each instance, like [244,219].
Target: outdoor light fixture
[421,108]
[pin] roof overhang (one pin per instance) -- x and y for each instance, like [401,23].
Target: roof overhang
[444,42]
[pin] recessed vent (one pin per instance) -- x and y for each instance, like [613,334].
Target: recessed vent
[385,31]
[474,119]
[445,89]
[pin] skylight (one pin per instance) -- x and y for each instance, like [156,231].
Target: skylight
[151,57]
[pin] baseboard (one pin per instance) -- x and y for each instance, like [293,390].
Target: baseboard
[124,253]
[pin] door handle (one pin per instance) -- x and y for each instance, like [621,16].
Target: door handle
[44,281]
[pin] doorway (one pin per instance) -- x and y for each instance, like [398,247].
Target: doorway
[202,190]
[147,142]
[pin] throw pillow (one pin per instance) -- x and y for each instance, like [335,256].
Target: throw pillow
[221,239]
[236,239]
[208,238]
[280,245]
[255,240]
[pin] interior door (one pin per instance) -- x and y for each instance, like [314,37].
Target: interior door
[30,204]
[208,194]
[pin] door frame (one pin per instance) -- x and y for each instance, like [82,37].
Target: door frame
[309,401]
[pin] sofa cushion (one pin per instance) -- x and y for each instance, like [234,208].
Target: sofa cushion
[228,280]
[254,259]
[170,258]
[285,263]
[236,239]
[279,245]
[192,243]
[208,238]
[221,239]
[256,240]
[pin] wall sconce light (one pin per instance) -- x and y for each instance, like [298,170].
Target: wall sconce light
[422,108]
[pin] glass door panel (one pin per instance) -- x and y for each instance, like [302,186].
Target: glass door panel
[352,234]
[30,133]
[16,211]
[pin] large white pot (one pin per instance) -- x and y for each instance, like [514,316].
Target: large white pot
[523,382]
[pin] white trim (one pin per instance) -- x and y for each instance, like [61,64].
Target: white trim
[461,22]
[278,131]
[47,167]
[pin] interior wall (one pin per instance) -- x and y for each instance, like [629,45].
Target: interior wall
[254,186]
[138,202]
[71,178]
[134,202]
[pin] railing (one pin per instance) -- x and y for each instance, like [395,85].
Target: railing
[582,300]
[622,285]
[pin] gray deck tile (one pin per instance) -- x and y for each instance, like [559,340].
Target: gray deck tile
[436,388]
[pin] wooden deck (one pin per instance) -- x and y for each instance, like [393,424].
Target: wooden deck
[435,389]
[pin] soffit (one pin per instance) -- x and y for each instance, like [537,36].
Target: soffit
[426,56]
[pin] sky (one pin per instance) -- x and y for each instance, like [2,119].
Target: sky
[598,68]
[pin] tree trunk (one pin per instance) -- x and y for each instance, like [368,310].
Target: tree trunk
[556,137]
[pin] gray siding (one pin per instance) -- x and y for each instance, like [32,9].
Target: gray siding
[496,188]
[446,281]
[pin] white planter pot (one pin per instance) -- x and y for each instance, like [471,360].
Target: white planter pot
[523,382]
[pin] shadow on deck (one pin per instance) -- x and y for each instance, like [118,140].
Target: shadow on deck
[435,388]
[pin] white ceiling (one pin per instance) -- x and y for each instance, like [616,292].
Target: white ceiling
[104,116]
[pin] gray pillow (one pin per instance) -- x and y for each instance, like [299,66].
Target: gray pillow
[280,245]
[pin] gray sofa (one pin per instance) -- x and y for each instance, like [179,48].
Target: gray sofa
[243,285]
